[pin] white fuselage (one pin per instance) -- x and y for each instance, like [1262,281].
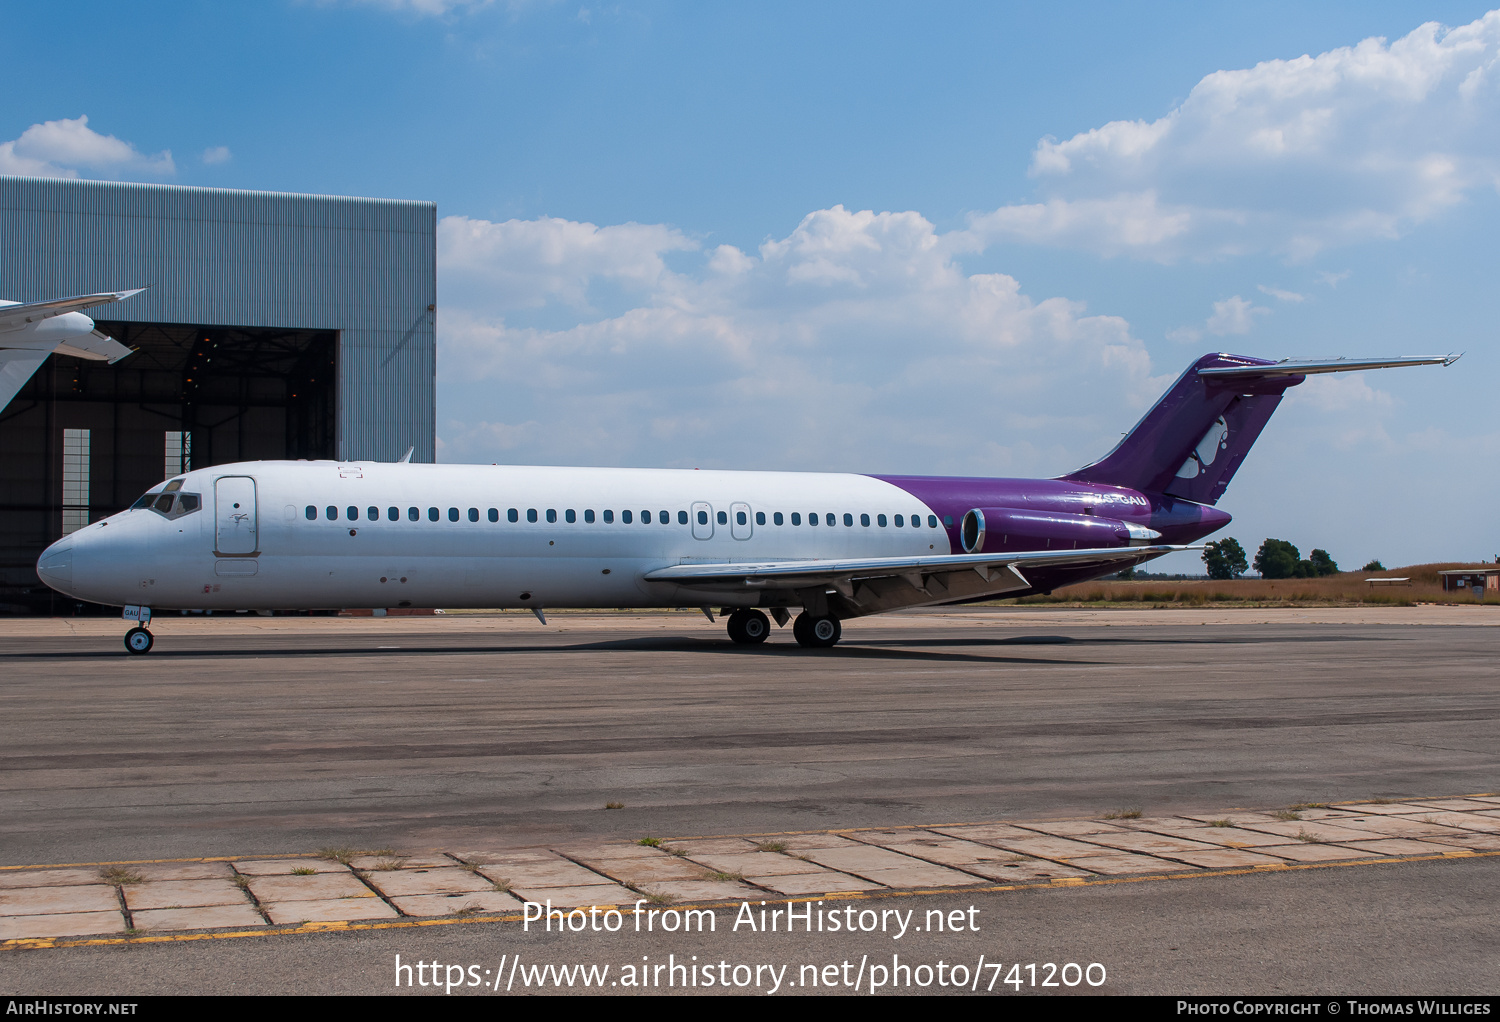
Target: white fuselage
[263,537]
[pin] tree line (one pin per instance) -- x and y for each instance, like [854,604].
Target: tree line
[1276,558]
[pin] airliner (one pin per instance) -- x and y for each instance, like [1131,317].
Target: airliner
[287,535]
[30,331]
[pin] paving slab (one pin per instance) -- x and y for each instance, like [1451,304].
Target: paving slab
[448,904]
[1059,849]
[1151,844]
[659,867]
[862,858]
[1324,832]
[319,887]
[290,913]
[35,901]
[481,857]
[441,880]
[615,850]
[1304,852]
[381,863]
[1127,862]
[1453,804]
[799,884]
[208,917]
[1473,842]
[986,833]
[276,867]
[1396,826]
[1382,808]
[1082,829]
[575,897]
[49,877]
[759,864]
[1466,821]
[921,875]
[554,872]
[1224,858]
[1235,837]
[1397,846]
[1022,869]
[152,871]
[1238,819]
[62,924]
[706,890]
[716,846]
[970,856]
[182,894]
[809,842]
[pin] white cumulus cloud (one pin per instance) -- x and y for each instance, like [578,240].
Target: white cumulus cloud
[65,148]
[1289,157]
[856,332]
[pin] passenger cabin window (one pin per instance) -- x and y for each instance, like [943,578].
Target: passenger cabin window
[740,518]
[796,518]
[552,514]
[849,520]
[332,512]
[609,517]
[588,516]
[494,514]
[831,520]
[682,518]
[512,515]
[531,514]
[373,514]
[777,518]
[932,521]
[723,518]
[570,516]
[393,514]
[473,514]
[353,513]
[760,518]
[311,512]
[412,514]
[432,514]
[880,520]
[453,514]
[665,517]
[625,517]
[812,519]
[702,517]
[900,522]
[947,520]
[865,521]
[645,517]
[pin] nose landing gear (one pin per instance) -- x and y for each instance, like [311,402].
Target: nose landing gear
[139,640]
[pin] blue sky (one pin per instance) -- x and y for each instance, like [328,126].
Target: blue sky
[907,238]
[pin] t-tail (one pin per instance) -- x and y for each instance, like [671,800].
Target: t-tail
[1190,444]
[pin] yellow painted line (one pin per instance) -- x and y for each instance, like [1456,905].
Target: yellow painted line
[1062,883]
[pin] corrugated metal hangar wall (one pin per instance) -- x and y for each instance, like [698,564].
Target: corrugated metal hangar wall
[274,326]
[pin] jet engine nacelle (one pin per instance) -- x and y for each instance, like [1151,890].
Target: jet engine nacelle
[1007,528]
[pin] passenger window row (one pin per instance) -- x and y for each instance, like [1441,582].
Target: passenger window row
[352,513]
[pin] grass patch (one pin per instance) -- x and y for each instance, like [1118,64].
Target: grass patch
[614,805]
[679,852]
[502,885]
[1309,805]
[242,881]
[657,898]
[1221,823]
[339,854]
[120,875]
[1287,814]
[771,846]
[467,910]
[1307,838]
[1123,814]
[304,871]
[650,842]
[726,877]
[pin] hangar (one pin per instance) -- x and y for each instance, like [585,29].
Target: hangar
[274,326]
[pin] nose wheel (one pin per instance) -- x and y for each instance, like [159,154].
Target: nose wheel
[139,640]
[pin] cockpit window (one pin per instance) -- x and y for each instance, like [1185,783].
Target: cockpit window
[173,486]
[172,505]
[147,499]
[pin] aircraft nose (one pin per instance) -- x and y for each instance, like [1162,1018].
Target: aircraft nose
[55,566]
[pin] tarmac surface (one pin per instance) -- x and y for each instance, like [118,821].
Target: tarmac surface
[243,737]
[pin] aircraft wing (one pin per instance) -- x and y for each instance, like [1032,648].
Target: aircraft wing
[19,314]
[16,367]
[872,585]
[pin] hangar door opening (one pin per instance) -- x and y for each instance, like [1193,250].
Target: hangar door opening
[84,439]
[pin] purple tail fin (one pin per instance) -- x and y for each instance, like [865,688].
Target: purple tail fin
[1192,441]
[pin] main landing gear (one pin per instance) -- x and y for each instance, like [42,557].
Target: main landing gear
[748,627]
[816,632]
[139,640]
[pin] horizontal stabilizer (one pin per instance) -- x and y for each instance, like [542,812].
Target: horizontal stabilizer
[1309,367]
[18,314]
[16,367]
